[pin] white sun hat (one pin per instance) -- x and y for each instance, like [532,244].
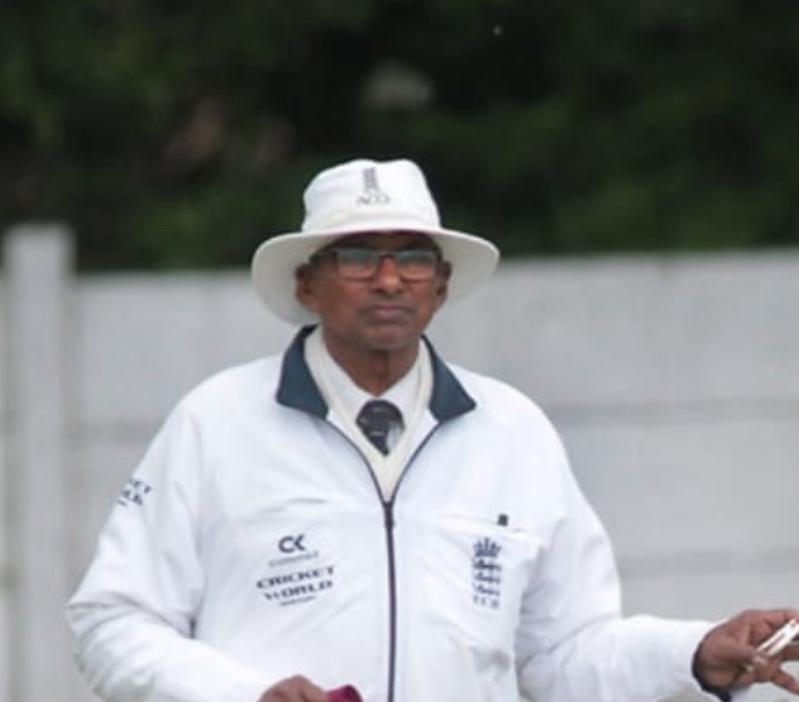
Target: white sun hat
[365,196]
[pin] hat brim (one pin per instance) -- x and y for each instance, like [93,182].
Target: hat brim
[275,262]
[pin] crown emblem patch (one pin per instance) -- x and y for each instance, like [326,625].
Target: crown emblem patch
[486,573]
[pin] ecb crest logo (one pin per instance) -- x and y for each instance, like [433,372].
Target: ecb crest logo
[486,573]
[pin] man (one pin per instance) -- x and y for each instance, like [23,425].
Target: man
[359,512]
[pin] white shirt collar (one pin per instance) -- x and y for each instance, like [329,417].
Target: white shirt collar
[343,395]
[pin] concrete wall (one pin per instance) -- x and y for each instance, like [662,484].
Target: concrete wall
[674,381]
[5,567]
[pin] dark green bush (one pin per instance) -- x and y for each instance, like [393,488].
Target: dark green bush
[180,134]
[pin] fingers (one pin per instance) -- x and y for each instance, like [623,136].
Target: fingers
[773,619]
[758,670]
[728,654]
[787,614]
[756,626]
[294,689]
[728,650]
[786,681]
[791,652]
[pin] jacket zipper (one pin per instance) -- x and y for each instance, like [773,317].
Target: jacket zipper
[388,524]
[388,512]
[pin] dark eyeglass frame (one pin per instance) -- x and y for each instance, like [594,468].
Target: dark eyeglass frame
[363,262]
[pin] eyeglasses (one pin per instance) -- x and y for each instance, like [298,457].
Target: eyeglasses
[361,263]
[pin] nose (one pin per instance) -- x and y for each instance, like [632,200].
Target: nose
[387,276]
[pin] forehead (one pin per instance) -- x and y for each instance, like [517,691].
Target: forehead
[385,240]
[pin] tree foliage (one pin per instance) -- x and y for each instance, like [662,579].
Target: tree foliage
[182,134]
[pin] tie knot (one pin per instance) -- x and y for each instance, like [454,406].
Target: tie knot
[375,420]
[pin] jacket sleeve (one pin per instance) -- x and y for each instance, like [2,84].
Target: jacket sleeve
[572,643]
[133,614]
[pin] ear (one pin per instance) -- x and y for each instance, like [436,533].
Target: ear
[304,286]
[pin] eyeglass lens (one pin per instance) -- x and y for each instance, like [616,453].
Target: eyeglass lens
[362,263]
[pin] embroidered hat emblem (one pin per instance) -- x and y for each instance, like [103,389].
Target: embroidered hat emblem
[372,194]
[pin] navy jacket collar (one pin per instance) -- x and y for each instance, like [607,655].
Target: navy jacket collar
[297,388]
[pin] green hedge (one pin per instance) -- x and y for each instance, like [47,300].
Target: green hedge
[181,134]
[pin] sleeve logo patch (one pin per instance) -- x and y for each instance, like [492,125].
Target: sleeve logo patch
[134,492]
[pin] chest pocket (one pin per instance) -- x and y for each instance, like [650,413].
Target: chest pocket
[472,574]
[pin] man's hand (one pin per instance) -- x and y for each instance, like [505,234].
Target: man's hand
[294,689]
[728,658]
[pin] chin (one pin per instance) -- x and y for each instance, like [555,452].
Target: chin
[391,340]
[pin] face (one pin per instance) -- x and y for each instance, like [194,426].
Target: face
[383,313]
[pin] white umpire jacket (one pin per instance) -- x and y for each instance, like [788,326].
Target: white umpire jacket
[252,544]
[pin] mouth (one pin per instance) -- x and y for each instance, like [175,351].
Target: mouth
[388,313]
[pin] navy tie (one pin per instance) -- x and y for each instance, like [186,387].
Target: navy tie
[375,420]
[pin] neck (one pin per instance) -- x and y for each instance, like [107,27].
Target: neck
[374,371]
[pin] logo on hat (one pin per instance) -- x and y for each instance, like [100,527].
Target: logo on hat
[372,194]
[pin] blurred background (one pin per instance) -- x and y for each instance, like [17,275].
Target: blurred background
[637,163]
[179,133]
